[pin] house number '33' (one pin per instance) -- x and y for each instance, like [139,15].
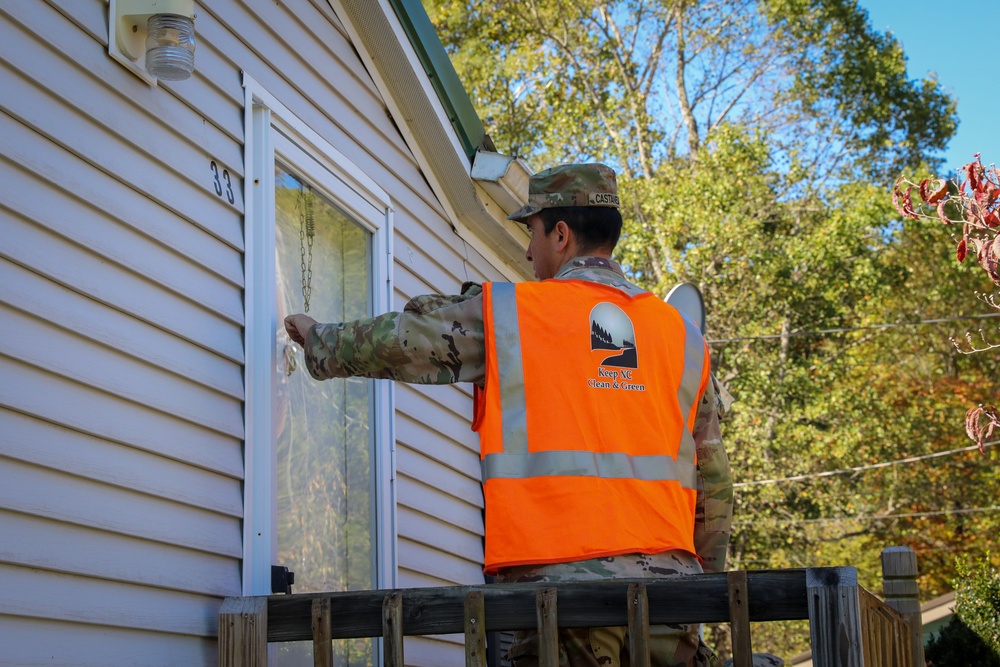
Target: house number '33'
[222,183]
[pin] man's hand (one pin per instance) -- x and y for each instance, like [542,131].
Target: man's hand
[298,326]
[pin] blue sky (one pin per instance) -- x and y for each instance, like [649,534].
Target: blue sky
[959,44]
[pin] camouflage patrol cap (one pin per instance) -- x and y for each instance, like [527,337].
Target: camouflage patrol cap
[590,184]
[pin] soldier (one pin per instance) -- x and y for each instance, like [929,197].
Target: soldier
[597,414]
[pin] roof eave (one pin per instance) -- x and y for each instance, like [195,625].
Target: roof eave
[418,83]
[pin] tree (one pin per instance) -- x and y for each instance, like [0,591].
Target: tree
[640,81]
[751,139]
[958,646]
[977,599]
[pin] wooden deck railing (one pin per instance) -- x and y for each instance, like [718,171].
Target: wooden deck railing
[849,627]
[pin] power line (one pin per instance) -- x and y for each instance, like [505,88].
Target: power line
[824,332]
[884,464]
[966,510]
[739,563]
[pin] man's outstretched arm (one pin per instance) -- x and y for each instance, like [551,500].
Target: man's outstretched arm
[435,339]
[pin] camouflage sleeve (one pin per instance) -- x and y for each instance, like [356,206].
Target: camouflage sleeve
[435,339]
[714,512]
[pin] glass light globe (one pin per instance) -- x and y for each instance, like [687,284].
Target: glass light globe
[170,47]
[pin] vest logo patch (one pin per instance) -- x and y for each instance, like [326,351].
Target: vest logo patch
[611,330]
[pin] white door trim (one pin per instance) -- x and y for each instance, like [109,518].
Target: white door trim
[271,127]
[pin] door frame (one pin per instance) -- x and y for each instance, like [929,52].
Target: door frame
[269,127]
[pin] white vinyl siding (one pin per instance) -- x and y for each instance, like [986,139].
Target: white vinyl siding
[121,330]
[120,356]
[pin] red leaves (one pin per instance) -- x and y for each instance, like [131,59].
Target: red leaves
[979,210]
[981,205]
[941,214]
[974,172]
[972,212]
[897,195]
[988,260]
[904,202]
[908,205]
[980,423]
[983,183]
[978,207]
[979,181]
[986,255]
[933,192]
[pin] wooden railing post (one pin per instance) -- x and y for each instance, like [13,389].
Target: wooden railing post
[243,632]
[548,627]
[638,625]
[475,629]
[392,629]
[739,619]
[899,586]
[834,616]
[322,643]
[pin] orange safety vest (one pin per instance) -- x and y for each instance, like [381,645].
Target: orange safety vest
[585,422]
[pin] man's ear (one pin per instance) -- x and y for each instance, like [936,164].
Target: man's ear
[563,234]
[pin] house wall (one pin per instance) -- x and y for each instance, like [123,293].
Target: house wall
[121,339]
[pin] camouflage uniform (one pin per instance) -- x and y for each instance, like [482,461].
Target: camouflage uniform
[439,339]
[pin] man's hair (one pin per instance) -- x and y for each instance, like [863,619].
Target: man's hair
[595,227]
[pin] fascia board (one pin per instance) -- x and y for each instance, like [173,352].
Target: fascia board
[395,68]
[450,90]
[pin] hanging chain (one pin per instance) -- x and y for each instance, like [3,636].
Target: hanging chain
[307,232]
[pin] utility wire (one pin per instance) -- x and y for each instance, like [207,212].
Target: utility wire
[884,464]
[824,332]
[966,510]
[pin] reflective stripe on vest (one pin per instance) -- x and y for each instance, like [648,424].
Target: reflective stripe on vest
[516,462]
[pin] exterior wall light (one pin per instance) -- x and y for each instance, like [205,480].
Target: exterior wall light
[153,38]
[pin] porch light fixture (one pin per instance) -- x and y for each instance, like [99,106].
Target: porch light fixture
[155,38]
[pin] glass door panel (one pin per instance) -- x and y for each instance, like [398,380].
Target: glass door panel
[325,480]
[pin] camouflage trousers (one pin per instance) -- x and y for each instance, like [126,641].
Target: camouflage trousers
[670,645]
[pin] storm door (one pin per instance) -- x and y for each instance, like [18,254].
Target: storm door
[319,498]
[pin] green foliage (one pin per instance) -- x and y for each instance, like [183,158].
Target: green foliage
[640,82]
[755,144]
[958,646]
[892,121]
[977,599]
